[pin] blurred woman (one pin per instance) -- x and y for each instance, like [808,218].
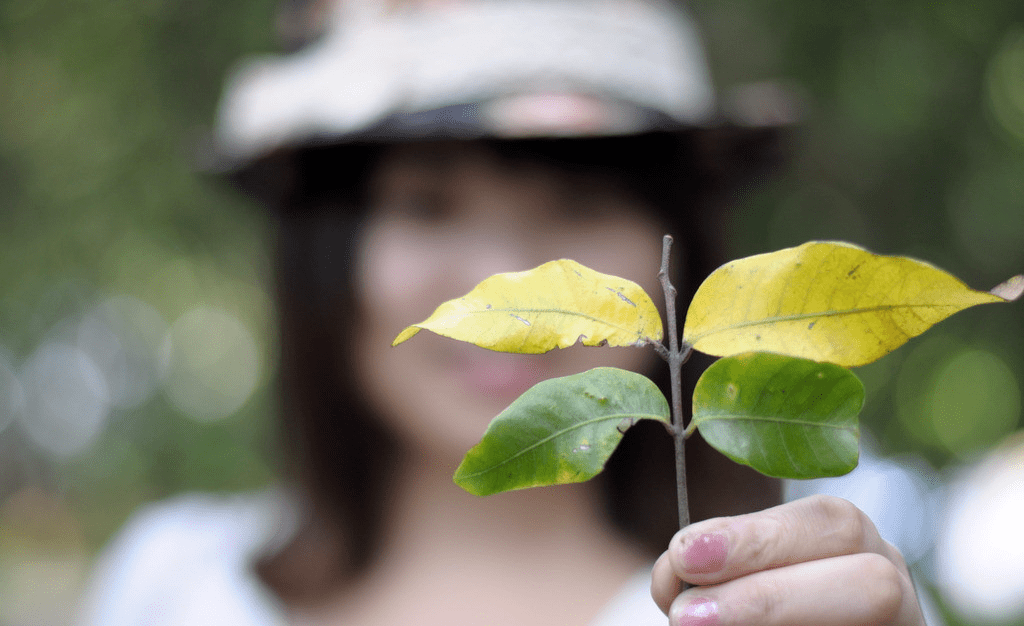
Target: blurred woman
[408,152]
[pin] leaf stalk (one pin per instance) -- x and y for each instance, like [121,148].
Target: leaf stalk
[662,351]
[690,429]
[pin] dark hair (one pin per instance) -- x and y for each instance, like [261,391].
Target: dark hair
[343,460]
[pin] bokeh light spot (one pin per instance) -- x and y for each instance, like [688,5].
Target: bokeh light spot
[67,400]
[123,336]
[212,363]
[979,556]
[956,398]
[1005,82]
[974,401]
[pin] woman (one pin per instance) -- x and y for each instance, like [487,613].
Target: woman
[413,150]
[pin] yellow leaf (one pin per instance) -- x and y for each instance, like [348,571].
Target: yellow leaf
[555,305]
[825,301]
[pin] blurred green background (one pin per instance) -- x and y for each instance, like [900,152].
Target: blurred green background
[136,285]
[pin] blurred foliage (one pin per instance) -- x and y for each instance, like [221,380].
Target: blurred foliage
[912,142]
[104,118]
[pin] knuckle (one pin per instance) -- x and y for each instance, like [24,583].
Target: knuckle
[764,601]
[845,522]
[883,587]
[765,542]
[834,508]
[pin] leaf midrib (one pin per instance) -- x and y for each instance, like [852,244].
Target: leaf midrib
[576,426]
[554,311]
[771,420]
[804,316]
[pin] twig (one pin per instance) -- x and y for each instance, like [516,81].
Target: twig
[677,355]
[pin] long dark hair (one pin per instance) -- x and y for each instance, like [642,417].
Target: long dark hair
[340,458]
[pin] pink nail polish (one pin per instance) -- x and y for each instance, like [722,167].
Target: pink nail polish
[706,554]
[699,612]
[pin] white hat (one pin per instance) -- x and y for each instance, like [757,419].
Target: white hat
[473,68]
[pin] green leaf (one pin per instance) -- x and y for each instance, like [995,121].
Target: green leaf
[560,431]
[784,416]
[826,301]
[555,305]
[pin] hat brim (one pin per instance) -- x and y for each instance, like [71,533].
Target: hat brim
[731,156]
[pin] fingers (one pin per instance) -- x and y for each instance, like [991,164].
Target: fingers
[816,561]
[850,590]
[665,585]
[819,527]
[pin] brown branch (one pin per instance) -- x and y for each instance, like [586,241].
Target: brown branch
[677,355]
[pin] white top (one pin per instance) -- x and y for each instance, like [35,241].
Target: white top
[186,562]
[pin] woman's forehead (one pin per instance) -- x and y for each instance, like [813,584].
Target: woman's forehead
[443,163]
[435,152]
[518,160]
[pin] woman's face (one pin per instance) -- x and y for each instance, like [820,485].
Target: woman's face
[444,217]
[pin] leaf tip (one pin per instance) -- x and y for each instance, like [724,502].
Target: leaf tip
[464,482]
[405,335]
[1010,290]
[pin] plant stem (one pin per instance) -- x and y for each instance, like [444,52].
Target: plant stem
[677,355]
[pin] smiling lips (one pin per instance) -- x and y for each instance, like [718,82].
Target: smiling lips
[508,376]
[497,374]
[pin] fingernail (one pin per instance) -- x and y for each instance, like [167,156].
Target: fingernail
[706,554]
[698,612]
